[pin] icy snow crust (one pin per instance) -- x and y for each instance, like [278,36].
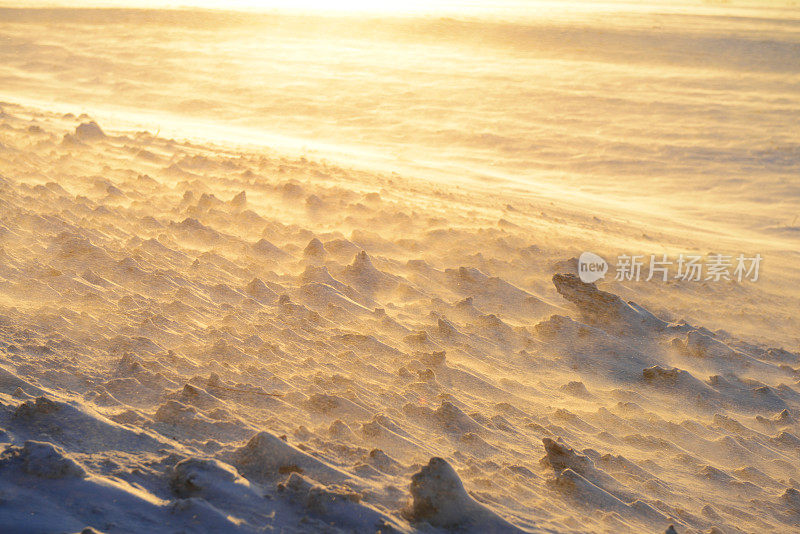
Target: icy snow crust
[197,339]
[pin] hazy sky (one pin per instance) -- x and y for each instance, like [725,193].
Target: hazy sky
[410,5]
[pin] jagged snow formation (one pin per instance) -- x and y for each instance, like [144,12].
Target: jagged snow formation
[202,340]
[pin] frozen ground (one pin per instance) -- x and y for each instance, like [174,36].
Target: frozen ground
[201,339]
[331,287]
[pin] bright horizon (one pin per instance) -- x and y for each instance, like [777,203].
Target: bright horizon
[417,6]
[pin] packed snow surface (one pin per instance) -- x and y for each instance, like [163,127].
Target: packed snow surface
[284,273]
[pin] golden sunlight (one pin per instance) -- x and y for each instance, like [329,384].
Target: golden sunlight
[319,6]
[313,5]
[518,267]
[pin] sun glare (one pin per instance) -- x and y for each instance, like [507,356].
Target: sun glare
[308,5]
[391,6]
[316,6]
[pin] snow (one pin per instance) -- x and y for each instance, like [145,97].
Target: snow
[202,335]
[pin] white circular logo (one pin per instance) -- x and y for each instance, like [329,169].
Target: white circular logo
[591,267]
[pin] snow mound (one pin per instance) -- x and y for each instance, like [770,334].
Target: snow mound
[10,382]
[791,499]
[259,291]
[363,275]
[268,250]
[451,418]
[266,457]
[315,497]
[439,498]
[559,456]
[315,250]
[198,477]
[588,494]
[335,405]
[77,428]
[89,131]
[41,459]
[603,308]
